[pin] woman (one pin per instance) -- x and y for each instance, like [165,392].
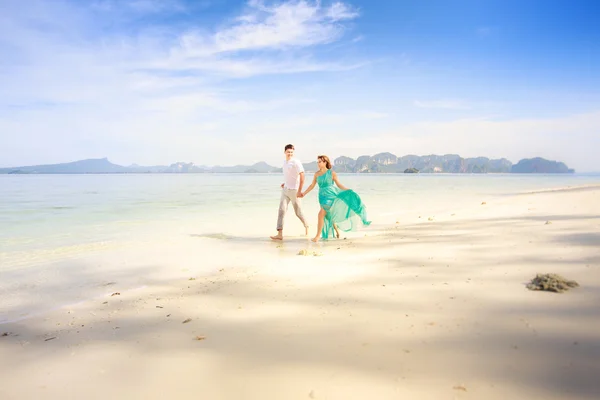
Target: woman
[340,206]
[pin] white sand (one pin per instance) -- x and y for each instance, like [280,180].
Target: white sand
[422,310]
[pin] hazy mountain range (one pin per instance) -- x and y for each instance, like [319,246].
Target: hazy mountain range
[379,163]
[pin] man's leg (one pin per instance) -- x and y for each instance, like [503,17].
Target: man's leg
[283,206]
[298,209]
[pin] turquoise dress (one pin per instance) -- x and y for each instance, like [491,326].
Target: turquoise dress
[344,207]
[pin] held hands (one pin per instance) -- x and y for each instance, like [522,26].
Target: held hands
[299,194]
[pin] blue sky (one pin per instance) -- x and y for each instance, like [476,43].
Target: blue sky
[229,82]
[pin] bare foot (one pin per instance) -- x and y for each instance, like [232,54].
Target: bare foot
[306,231]
[315,239]
[277,237]
[337,232]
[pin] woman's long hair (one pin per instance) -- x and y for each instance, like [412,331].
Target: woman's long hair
[326,160]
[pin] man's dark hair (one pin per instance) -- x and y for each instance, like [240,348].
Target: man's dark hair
[289,146]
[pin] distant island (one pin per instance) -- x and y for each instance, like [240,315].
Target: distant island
[379,163]
[539,165]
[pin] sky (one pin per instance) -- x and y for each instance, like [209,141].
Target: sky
[224,82]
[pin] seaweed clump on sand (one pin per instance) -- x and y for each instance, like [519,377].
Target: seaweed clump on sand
[551,283]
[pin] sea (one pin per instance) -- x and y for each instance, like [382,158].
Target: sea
[47,221]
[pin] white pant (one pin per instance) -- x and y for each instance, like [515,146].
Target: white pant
[288,195]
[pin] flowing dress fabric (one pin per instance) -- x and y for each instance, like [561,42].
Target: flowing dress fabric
[343,207]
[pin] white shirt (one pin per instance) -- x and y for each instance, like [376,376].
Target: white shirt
[291,173]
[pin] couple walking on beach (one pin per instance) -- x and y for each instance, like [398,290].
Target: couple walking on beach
[340,206]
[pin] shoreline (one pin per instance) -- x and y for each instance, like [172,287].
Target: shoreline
[576,188]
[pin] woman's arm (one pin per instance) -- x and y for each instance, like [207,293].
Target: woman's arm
[312,185]
[337,182]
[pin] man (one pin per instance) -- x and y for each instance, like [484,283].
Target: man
[293,174]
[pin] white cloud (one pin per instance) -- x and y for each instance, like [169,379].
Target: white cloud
[340,11]
[287,25]
[64,42]
[69,75]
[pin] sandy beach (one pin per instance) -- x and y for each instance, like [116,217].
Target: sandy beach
[430,307]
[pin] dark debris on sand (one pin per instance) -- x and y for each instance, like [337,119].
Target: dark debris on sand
[551,283]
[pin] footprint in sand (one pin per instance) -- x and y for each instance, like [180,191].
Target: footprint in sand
[305,252]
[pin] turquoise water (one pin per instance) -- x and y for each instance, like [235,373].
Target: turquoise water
[55,229]
[44,211]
